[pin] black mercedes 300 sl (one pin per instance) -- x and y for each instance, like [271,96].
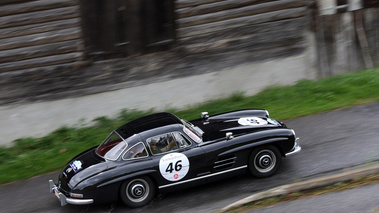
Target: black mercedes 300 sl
[161,153]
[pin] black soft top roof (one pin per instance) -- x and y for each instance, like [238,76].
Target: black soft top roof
[146,123]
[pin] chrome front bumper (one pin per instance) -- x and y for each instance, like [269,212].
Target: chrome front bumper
[64,200]
[296,148]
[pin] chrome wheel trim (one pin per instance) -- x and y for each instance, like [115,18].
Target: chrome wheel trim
[137,190]
[264,161]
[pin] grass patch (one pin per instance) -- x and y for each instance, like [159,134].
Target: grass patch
[340,186]
[34,156]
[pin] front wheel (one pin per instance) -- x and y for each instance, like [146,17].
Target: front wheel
[137,192]
[264,161]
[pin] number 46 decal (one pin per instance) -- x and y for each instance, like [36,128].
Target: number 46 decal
[174,166]
[178,166]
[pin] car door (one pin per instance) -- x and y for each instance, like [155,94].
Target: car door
[179,159]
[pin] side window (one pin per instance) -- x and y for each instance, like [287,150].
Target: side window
[137,151]
[162,143]
[112,147]
[183,141]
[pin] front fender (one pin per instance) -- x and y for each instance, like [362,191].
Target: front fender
[251,145]
[283,138]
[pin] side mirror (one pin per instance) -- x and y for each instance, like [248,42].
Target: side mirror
[229,135]
[204,115]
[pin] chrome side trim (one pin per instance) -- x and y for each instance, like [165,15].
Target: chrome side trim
[226,162]
[79,201]
[228,159]
[64,200]
[206,176]
[296,148]
[224,165]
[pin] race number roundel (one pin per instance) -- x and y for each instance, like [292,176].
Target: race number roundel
[174,166]
[252,121]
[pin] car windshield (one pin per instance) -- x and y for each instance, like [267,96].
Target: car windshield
[194,132]
[112,147]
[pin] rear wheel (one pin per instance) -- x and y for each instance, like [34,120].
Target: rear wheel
[137,192]
[264,161]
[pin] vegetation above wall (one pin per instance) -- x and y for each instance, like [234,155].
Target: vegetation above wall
[34,156]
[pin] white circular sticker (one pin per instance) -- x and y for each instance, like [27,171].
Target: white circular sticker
[252,121]
[174,166]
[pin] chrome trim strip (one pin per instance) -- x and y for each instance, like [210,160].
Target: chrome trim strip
[206,176]
[225,164]
[79,201]
[296,148]
[220,161]
[64,200]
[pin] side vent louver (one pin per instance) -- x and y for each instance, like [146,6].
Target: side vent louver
[225,162]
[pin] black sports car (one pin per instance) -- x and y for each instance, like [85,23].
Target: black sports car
[160,153]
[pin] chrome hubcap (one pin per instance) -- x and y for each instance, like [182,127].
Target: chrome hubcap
[137,190]
[264,161]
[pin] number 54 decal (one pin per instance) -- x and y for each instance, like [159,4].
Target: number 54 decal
[174,166]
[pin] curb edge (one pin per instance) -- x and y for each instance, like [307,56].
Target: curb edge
[303,185]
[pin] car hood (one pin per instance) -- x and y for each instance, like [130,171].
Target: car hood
[215,127]
[81,167]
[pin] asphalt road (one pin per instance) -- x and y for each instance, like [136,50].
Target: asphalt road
[363,199]
[332,143]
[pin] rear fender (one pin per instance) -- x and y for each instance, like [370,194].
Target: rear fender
[123,178]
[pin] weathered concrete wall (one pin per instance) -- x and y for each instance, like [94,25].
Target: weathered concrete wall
[40,118]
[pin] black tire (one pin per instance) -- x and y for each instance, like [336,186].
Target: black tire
[137,192]
[264,161]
